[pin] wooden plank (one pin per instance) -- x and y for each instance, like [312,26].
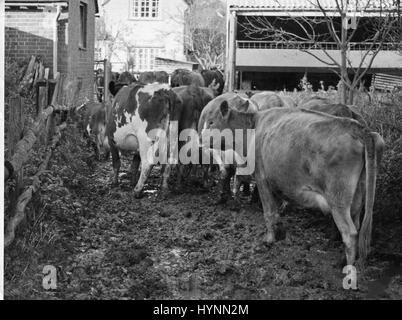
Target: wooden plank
[14,135]
[25,197]
[24,146]
[15,124]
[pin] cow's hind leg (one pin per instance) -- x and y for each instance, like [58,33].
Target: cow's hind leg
[226,174]
[357,204]
[348,231]
[145,171]
[270,209]
[116,163]
[166,170]
[135,164]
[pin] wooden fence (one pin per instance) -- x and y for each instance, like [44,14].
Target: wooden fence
[54,97]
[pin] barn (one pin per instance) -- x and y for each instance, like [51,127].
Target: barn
[260,60]
[62,33]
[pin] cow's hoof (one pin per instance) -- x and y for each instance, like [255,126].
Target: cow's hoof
[138,194]
[280,232]
[269,239]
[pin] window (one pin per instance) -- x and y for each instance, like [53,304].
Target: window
[144,9]
[144,58]
[83,25]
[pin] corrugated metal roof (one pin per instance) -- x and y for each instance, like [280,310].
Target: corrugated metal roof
[306,4]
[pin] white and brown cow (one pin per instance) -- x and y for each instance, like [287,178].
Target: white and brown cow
[315,160]
[138,110]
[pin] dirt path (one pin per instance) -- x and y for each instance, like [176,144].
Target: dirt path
[108,245]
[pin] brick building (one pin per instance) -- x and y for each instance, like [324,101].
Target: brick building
[61,32]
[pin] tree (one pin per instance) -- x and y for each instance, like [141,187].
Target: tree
[109,37]
[205,32]
[338,27]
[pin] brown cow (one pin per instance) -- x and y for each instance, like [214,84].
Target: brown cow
[193,100]
[268,99]
[315,160]
[238,102]
[95,128]
[184,77]
[148,77]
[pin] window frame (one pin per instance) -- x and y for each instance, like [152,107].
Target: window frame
[140,9]
[144,57]
[83,38]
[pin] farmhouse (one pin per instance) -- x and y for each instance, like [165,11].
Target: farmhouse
[61,32]
[263,61]
[138,32]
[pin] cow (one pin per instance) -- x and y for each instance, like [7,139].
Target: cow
[315,160]
[288,101]
[313,101]
[193,100]
[126,77]
[351,112]
[95,126]
[269,99]
[214,75]
[114,87]
[137,110]
[184,77]
[154,76]
[227,171]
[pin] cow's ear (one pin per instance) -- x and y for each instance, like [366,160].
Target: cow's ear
[224,108]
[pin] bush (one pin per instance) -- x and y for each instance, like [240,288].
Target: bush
[385,117]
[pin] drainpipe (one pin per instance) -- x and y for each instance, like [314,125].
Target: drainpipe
[55,40]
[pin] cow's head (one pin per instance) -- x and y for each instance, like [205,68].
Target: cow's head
[228,114]
[214,86]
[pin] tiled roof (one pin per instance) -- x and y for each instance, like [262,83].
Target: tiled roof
[305,4]
[44,1]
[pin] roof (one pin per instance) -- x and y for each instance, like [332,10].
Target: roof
[308,5]
[173,60]
[39,2]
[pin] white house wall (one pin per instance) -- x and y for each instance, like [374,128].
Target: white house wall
[165,32]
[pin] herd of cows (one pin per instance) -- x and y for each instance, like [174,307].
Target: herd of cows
[312,152]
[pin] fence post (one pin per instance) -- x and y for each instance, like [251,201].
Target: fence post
[50,120]
[106,94]
[14,134]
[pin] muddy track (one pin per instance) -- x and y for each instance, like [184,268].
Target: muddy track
[109,245]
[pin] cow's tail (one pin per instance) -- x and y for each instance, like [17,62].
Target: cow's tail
[371,174]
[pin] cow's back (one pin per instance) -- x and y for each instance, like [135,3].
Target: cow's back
[183,77]
[298,149]
[267,100]
[338,110]
[193,99]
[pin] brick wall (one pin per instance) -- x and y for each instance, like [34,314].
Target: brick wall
[29,33]
[81,61]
